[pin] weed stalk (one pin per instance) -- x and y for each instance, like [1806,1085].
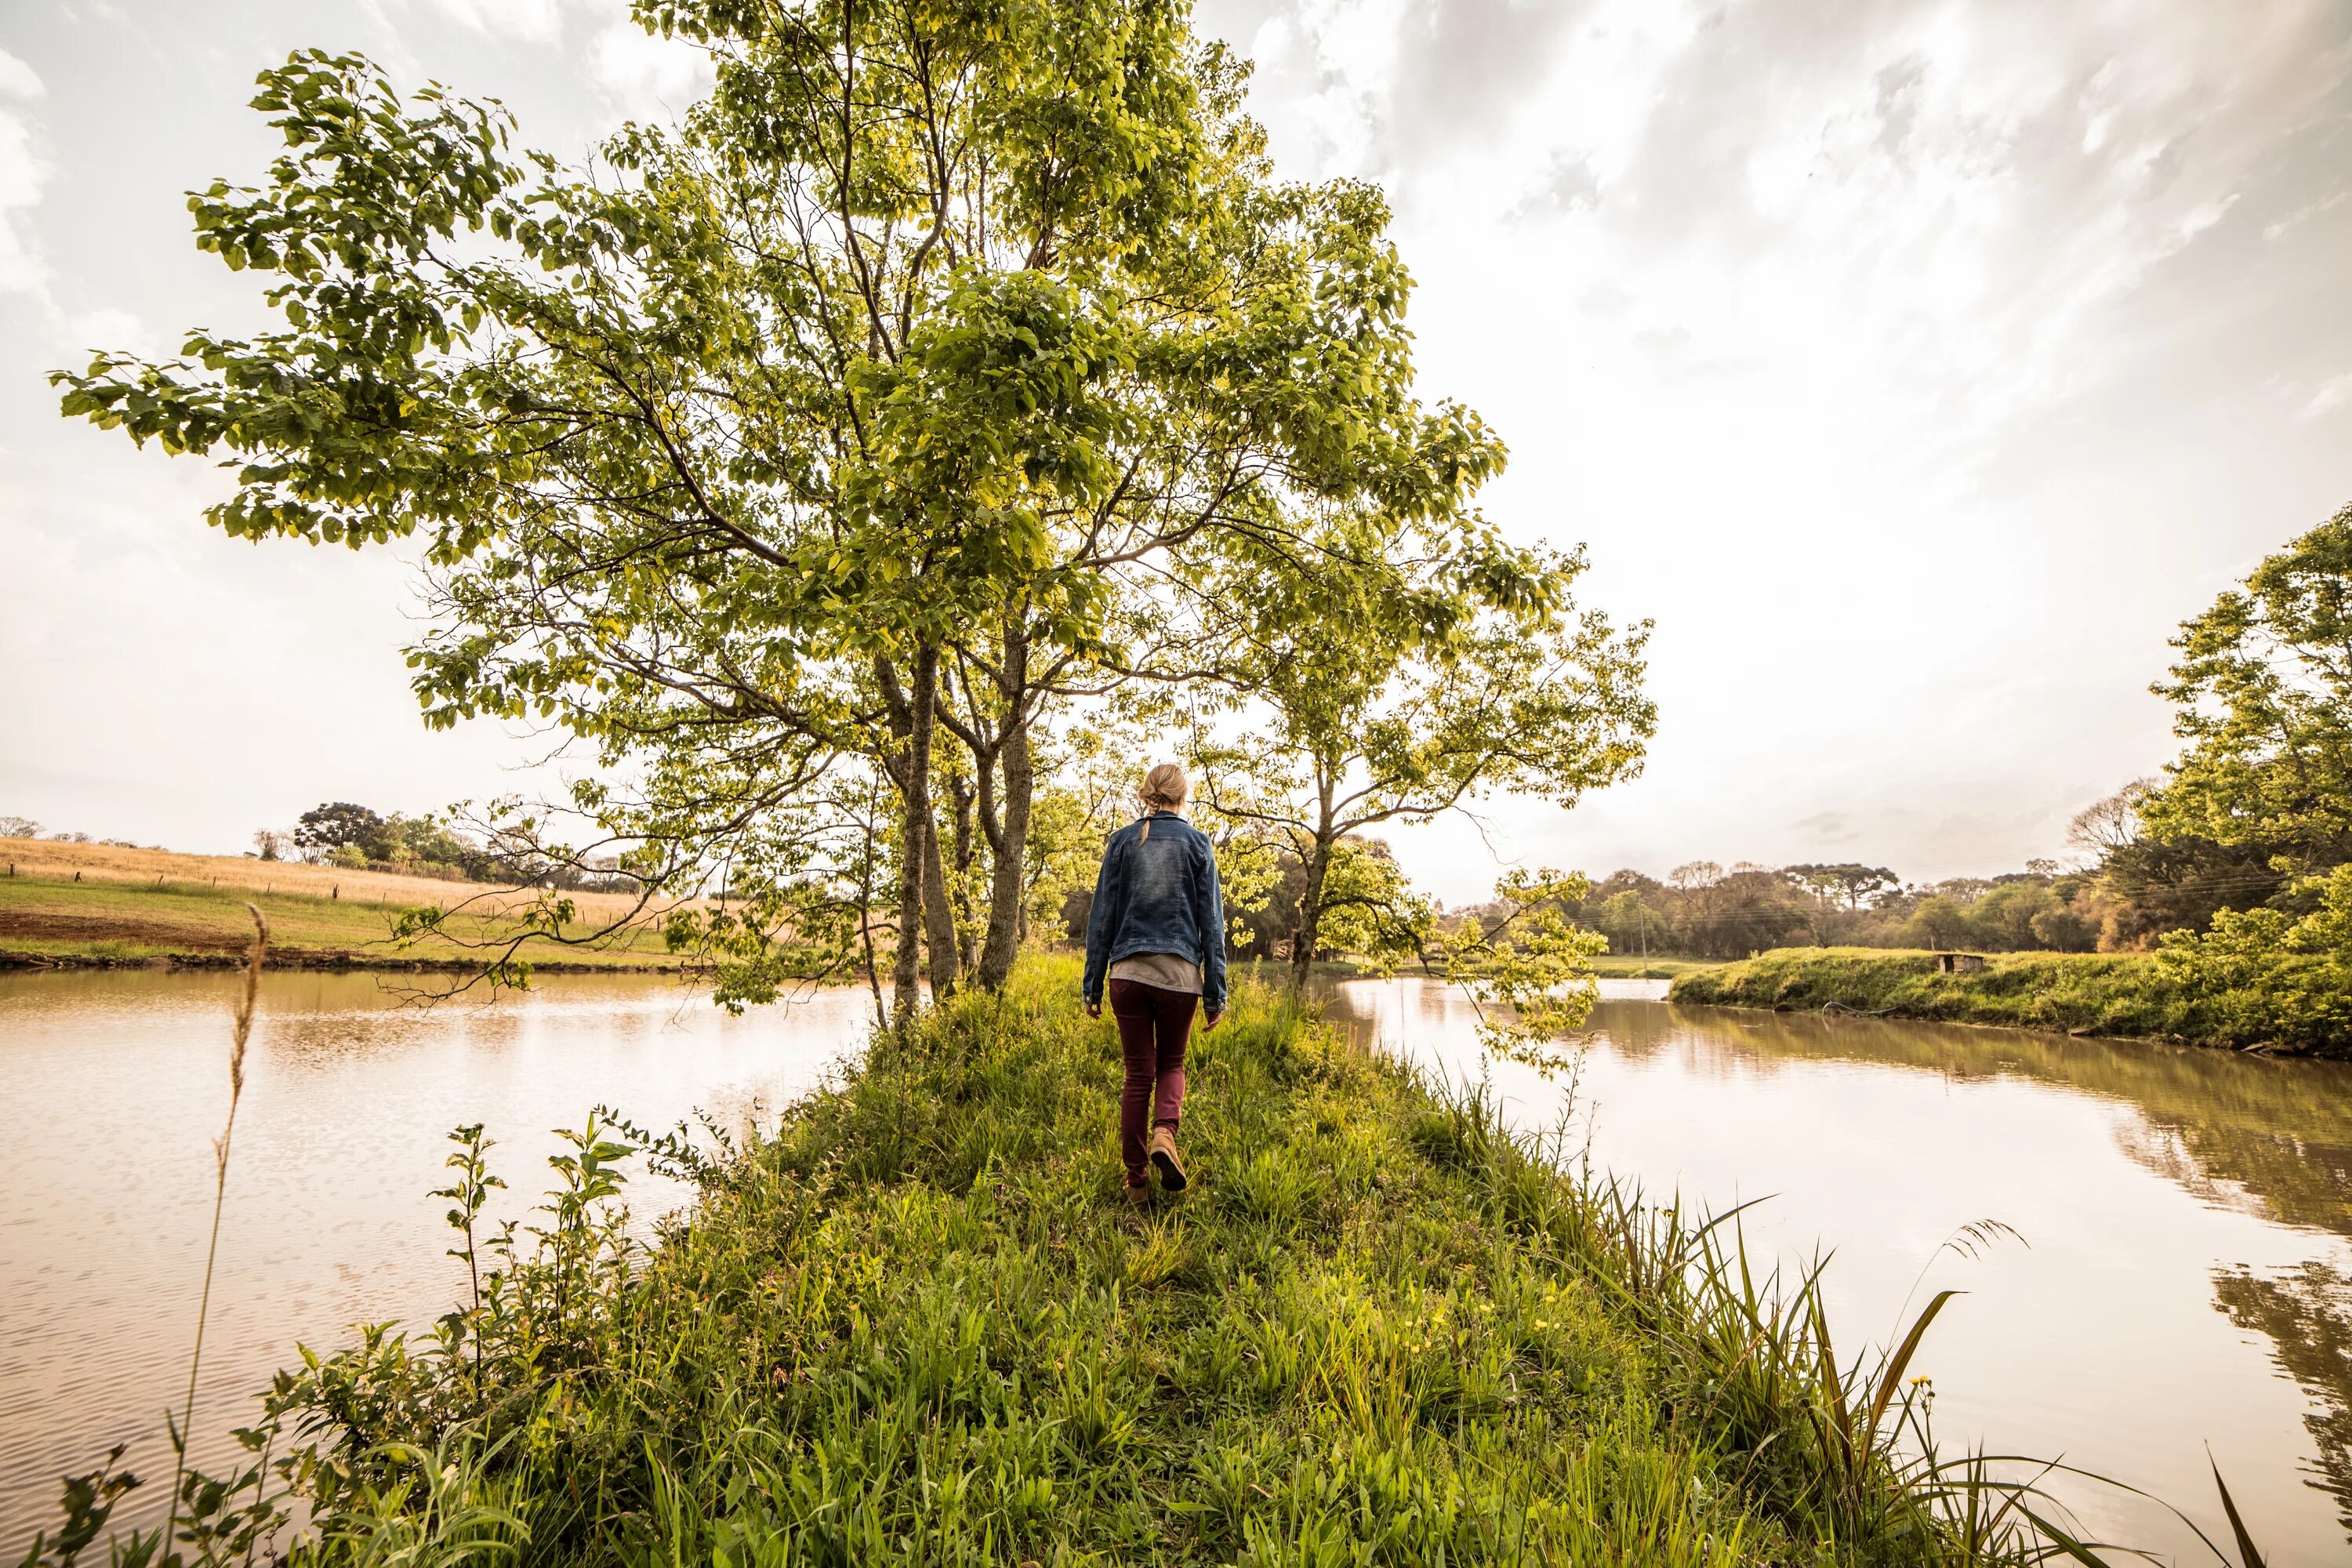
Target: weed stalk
[255,957]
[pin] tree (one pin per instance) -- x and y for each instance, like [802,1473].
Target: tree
[19,828]
[1853,884]
[1408,676]
[2109,825]
[2263,695]
[2063,929]
[271,844]
[1938,924]
[322,830]
[2005,918]
[866,403]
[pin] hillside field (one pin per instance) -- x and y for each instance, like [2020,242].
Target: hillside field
[134,906]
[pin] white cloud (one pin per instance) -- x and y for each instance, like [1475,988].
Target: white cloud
[2332,394]
[19,80]
[529,21]
[23,170]
[644,77]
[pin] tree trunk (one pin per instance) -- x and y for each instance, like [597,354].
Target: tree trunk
[871,827]
[1310,898]
[912,716]
[959,793]
[1008,884]
[1310,916]
[939,916]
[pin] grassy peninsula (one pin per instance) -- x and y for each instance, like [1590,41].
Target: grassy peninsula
[918,1324]
[2133,994]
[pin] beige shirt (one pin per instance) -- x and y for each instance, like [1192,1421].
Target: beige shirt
[1164,970]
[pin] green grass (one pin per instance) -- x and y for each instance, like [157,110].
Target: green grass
[918,1325]
[130,923]
[2100,993]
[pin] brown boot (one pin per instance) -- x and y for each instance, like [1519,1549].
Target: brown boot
[1139,1195]
[1166,1160]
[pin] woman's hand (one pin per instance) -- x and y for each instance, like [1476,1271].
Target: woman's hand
[1209,1023]
[1094,1009]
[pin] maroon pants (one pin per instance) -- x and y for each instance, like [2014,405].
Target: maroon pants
[1153,1028]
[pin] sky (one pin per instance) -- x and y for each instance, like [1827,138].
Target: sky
[1915,368]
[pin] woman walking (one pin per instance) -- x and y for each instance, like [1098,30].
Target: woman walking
[1156,935]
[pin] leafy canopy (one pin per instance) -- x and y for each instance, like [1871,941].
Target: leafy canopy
[935,317]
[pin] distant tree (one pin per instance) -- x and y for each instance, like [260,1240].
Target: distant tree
[1938,924]
[2104,826]
[270,844]
[2181,883]
[1695,874]
[2003,919]
[19,828]
[1732,915]
[324,829]
[2064,929]
[1850,883]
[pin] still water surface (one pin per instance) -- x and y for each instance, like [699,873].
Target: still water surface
[2186,1274]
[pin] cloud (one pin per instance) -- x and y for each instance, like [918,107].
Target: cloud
[23,171]
[2332,394]
[644,77]
[527,21]
[1826,827]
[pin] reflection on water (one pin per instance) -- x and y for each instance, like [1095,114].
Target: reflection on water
[2189,1277]
[2269,1133]
[2186,1217]
[115,1083]
[2308,1316]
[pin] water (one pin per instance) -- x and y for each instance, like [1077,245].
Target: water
[2184,1277]
[113,1085]
[2189,1277]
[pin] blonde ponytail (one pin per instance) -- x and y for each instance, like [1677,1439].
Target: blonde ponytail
[1164,788]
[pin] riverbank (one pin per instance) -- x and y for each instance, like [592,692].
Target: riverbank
[193,916]
[2112,995]
[920,1312]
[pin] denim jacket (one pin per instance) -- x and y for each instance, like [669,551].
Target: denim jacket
[1159,895]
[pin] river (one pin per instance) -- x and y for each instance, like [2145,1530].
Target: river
[2184,1276]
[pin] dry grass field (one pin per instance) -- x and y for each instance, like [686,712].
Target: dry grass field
[88,903]
[49,860]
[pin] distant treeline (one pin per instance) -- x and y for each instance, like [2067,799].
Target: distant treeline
[341,833]
[2233,868]
[2125,891]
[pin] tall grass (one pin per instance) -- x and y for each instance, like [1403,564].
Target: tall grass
[916,1323]
[241,1035]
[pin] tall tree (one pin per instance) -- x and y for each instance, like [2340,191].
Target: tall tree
[2263,695]
[1850,882]
[902,361]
